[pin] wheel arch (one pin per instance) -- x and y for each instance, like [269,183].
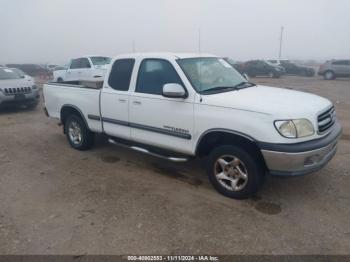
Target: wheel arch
[216,137]
[68,110]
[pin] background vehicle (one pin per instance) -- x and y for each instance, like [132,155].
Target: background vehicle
[295,69]
[31,69]
[22,74]
[88,68]
[16,90]
[177,106]
[330,70]
[261,68]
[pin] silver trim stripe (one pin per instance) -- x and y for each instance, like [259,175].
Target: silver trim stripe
[142,127]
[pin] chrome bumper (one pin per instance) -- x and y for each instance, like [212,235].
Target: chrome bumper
[289,163]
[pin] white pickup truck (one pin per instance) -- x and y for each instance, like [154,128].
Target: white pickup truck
[178,106]
[86,68]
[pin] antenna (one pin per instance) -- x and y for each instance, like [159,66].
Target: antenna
[281,40]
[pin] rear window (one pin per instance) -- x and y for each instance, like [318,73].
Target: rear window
[119,78]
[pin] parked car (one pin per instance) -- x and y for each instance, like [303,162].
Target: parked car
[16,90]
[262,68]
[88,68]
[31,69]
[178,106]
[330,70]
[296,69]
[22,74]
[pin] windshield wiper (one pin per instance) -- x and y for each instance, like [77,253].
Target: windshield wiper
[244,85]
[218,89]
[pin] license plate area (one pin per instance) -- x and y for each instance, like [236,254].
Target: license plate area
[20,97]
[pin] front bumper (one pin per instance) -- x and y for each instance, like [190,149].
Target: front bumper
[300,158]
[28,98]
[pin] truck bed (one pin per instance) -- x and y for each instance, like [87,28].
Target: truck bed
[83,95]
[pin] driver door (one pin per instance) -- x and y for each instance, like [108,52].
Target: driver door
[157,120]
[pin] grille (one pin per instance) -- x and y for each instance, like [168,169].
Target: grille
[17,90]
[326,120]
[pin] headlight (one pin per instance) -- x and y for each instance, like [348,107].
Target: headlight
[34,86]
[295,128]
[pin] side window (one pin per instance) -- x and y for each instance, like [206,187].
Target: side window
[119,78]
[153,74]
[75,64]
[84,63]
[340,62]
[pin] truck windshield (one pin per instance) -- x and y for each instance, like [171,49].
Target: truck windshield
[100,60]
[212,74]
[6,73]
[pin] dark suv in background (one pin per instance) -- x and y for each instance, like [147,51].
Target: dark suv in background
[335,68]
[261,68]
[292,68]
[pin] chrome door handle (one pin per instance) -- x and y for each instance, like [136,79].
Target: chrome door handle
[122,100]
[136,102]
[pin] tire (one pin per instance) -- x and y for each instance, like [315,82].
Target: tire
[244,171]
[329,75]
[59,80]
[78,134]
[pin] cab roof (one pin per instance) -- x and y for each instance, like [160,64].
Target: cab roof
[166,55]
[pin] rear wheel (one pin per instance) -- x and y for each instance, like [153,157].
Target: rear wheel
[329,75]
[234,172]
[78,134]
[59,80]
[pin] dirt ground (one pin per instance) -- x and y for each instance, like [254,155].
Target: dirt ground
[110,200]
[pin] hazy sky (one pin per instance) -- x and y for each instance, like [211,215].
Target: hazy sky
[55,30]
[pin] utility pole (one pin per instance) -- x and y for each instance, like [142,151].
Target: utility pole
[281,40]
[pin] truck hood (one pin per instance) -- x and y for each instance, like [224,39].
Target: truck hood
[22,82]
[279,102]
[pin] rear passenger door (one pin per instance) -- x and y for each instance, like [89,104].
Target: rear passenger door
[115,99]
[155,119]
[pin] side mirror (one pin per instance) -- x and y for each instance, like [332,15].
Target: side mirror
[246,76]
[174,90]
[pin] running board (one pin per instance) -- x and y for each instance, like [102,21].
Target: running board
[146,151]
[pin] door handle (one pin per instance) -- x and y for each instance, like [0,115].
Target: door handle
[122,100]
[136,102]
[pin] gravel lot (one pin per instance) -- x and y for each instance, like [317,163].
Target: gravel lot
[55,200]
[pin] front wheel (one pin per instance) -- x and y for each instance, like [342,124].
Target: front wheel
[234,172]
[78,134]
[329,75]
